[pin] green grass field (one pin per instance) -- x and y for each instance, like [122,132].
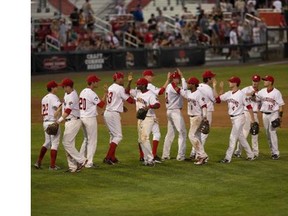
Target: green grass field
[242,187]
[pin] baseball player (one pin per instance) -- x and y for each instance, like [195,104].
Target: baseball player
[50,103]
[207,90]
[71,116]
[115,98]
[236,102]
[197,111]
[272,108]
[148,100]
[174,104]
[88,102]
[149,75]
[255,106]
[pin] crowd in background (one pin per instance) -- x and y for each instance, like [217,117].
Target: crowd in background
[214,28]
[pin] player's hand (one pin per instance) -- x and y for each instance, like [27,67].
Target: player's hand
[105,87]
[168,75]
[130,76]
[221,84]
[214,83]
[180,73]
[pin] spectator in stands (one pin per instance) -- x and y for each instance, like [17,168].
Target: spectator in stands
[74,17]
[162,26]
[256,34]
[63,31]
[138,14]
[233,41]
[90,21]
[87,8]
[223,5]
[82,20]
[204,24]
[277,6]
[160,15]
[251,6]
[55,27]
[240,6]
[113,40]
[152,23]
[120,8]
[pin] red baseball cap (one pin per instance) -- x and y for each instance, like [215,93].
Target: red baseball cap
[118,75]
[208,74]
[256,78]
[235,80]
[268,78]
[142,81]
[51,84]
[67,82]
[93,78]
[175,75]
[148,73]
[193,80]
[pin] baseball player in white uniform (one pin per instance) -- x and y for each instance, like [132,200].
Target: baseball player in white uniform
[255,106]
[236,102]
[148,100]
[174,104]
[49,104]
[115,99]
[207,90]
[88,102]
[71,116]
[149,75]
[197,111]
[271,107]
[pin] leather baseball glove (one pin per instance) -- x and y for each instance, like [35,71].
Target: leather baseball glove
[254,130]
[204,126]
[141,114]
[52,129]
[276,123]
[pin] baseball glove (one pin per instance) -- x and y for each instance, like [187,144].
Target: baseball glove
[276,123]
[204,127]
[141,114]
[254,130]
[52,129]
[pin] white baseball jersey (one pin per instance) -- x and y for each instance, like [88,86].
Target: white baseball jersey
[270,101]
[196,100]
[206,90]
[254,104]
[88,101]
[71,101]
[50,103]
[153,88]
[173,99]
[115,97]
[145,99]
[236,102]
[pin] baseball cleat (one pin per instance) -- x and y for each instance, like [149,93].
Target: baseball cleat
[108,161]
[54,168]
[115,161]
[224,161]
[157,159]
[201,161]
[141,159]
[165,158]
[70,170]
[180,158]
[275,157]
[82,165]
[251,158]
[37,165]
[192,157]
[237,155]
[150,164]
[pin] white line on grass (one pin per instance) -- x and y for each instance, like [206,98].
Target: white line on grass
[272,63]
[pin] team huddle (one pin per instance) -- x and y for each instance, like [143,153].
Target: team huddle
[81,111]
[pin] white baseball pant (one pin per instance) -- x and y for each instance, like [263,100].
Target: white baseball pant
[237,134]
[113,123]
[175,122]
[144,129]
[51,141]
[73,156]
[203,136]
[89,144]
[246,131]
[195,136]
[271,132]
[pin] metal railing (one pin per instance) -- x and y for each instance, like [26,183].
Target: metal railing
[52,43]
[127,41]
